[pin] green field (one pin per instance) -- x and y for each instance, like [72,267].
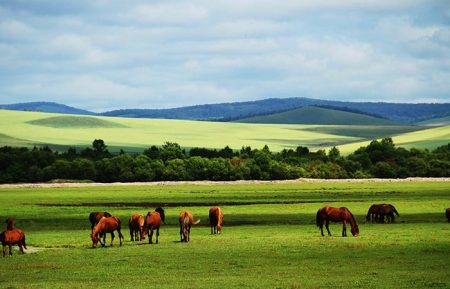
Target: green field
[62,131]
[269,237]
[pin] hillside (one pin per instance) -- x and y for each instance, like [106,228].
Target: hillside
[317,115]
[436,121]
[43,106]
[59,131]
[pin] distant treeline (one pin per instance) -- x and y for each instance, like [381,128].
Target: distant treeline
[380,159]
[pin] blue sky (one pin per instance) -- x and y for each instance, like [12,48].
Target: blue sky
[102,55]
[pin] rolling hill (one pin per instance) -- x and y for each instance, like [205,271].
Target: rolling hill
[44,106]
[317,115]
[439,121]
[60,131]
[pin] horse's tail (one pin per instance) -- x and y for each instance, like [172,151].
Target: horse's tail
[196,222]
[318,218]
[23,242]
[395,210]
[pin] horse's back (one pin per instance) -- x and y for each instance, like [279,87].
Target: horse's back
[12,237]
[153,220]
[185,215]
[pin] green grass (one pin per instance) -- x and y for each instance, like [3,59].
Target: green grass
[134,135]
[317,115]
[269,238]
[436,121]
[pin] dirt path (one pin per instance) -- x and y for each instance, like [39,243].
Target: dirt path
[210,183]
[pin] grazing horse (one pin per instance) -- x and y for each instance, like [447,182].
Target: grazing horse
[106,225]
[327,214]
[215,220]
[153,222]
[377,212]
[447,214]
[12,237]
[186,220]
[10,223]
[136,225]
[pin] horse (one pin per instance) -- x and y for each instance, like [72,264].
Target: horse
[136,225]
[106,225]
[10,223]
[215,220]
[95,217]
[373,213]
[186,220]
[447,214]
[388,210]
[153,222]
[12,237]
[327,214]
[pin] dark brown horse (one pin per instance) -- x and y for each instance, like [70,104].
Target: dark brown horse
[95,217]
[327,214]
[153,222]
[377,213]
[215,220]
[106,225]
[186,220]
[447,214]
[12,237]
[10,224]
[136,226]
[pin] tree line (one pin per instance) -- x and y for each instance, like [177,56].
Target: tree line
[170,162]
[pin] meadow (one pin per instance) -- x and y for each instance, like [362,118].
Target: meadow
[134,135]
[269,238]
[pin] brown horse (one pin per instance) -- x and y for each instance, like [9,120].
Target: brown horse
[12,237]
[447,214]
[215,220]
[10,224]
[186,220]
[327,214]
[377,212]
[106,225]
[136,225]
[153,222]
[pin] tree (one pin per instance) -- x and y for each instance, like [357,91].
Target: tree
[334,154]
[171,151]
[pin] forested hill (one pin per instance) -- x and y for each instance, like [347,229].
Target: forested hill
[398,112]
[44,106]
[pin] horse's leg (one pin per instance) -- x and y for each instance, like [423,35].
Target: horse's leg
[157,235]
[181,233]
[104,239]
[21,248]
[112,238]
[4,250]
[327,226]
[344,228]
[189,233]
[10,250]
[121,238]
[150,241]
[321,228]
[212,230]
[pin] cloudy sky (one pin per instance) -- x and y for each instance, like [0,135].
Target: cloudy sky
[102,55]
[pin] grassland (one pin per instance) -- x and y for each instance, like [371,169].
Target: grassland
[269,239]
[62,131]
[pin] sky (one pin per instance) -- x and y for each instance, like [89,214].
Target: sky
[104,55]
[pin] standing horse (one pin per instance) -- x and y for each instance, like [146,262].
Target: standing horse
[186,220]
[327,214]
[136,225]
[95,217]
[447,214]
[373,213]
[388,211]
[215,220]
[12,237]
[106,225]
[153,222]
[10,224]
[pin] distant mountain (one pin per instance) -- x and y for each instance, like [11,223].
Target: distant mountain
[43,106]
[318,115]
[398,112]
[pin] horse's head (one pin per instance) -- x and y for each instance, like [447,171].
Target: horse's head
[355,230]
[144,232]
[95,239]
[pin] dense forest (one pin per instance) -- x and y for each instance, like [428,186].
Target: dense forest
[170,162]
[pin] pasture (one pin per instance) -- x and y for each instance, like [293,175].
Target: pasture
[269,237]
[134,135]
